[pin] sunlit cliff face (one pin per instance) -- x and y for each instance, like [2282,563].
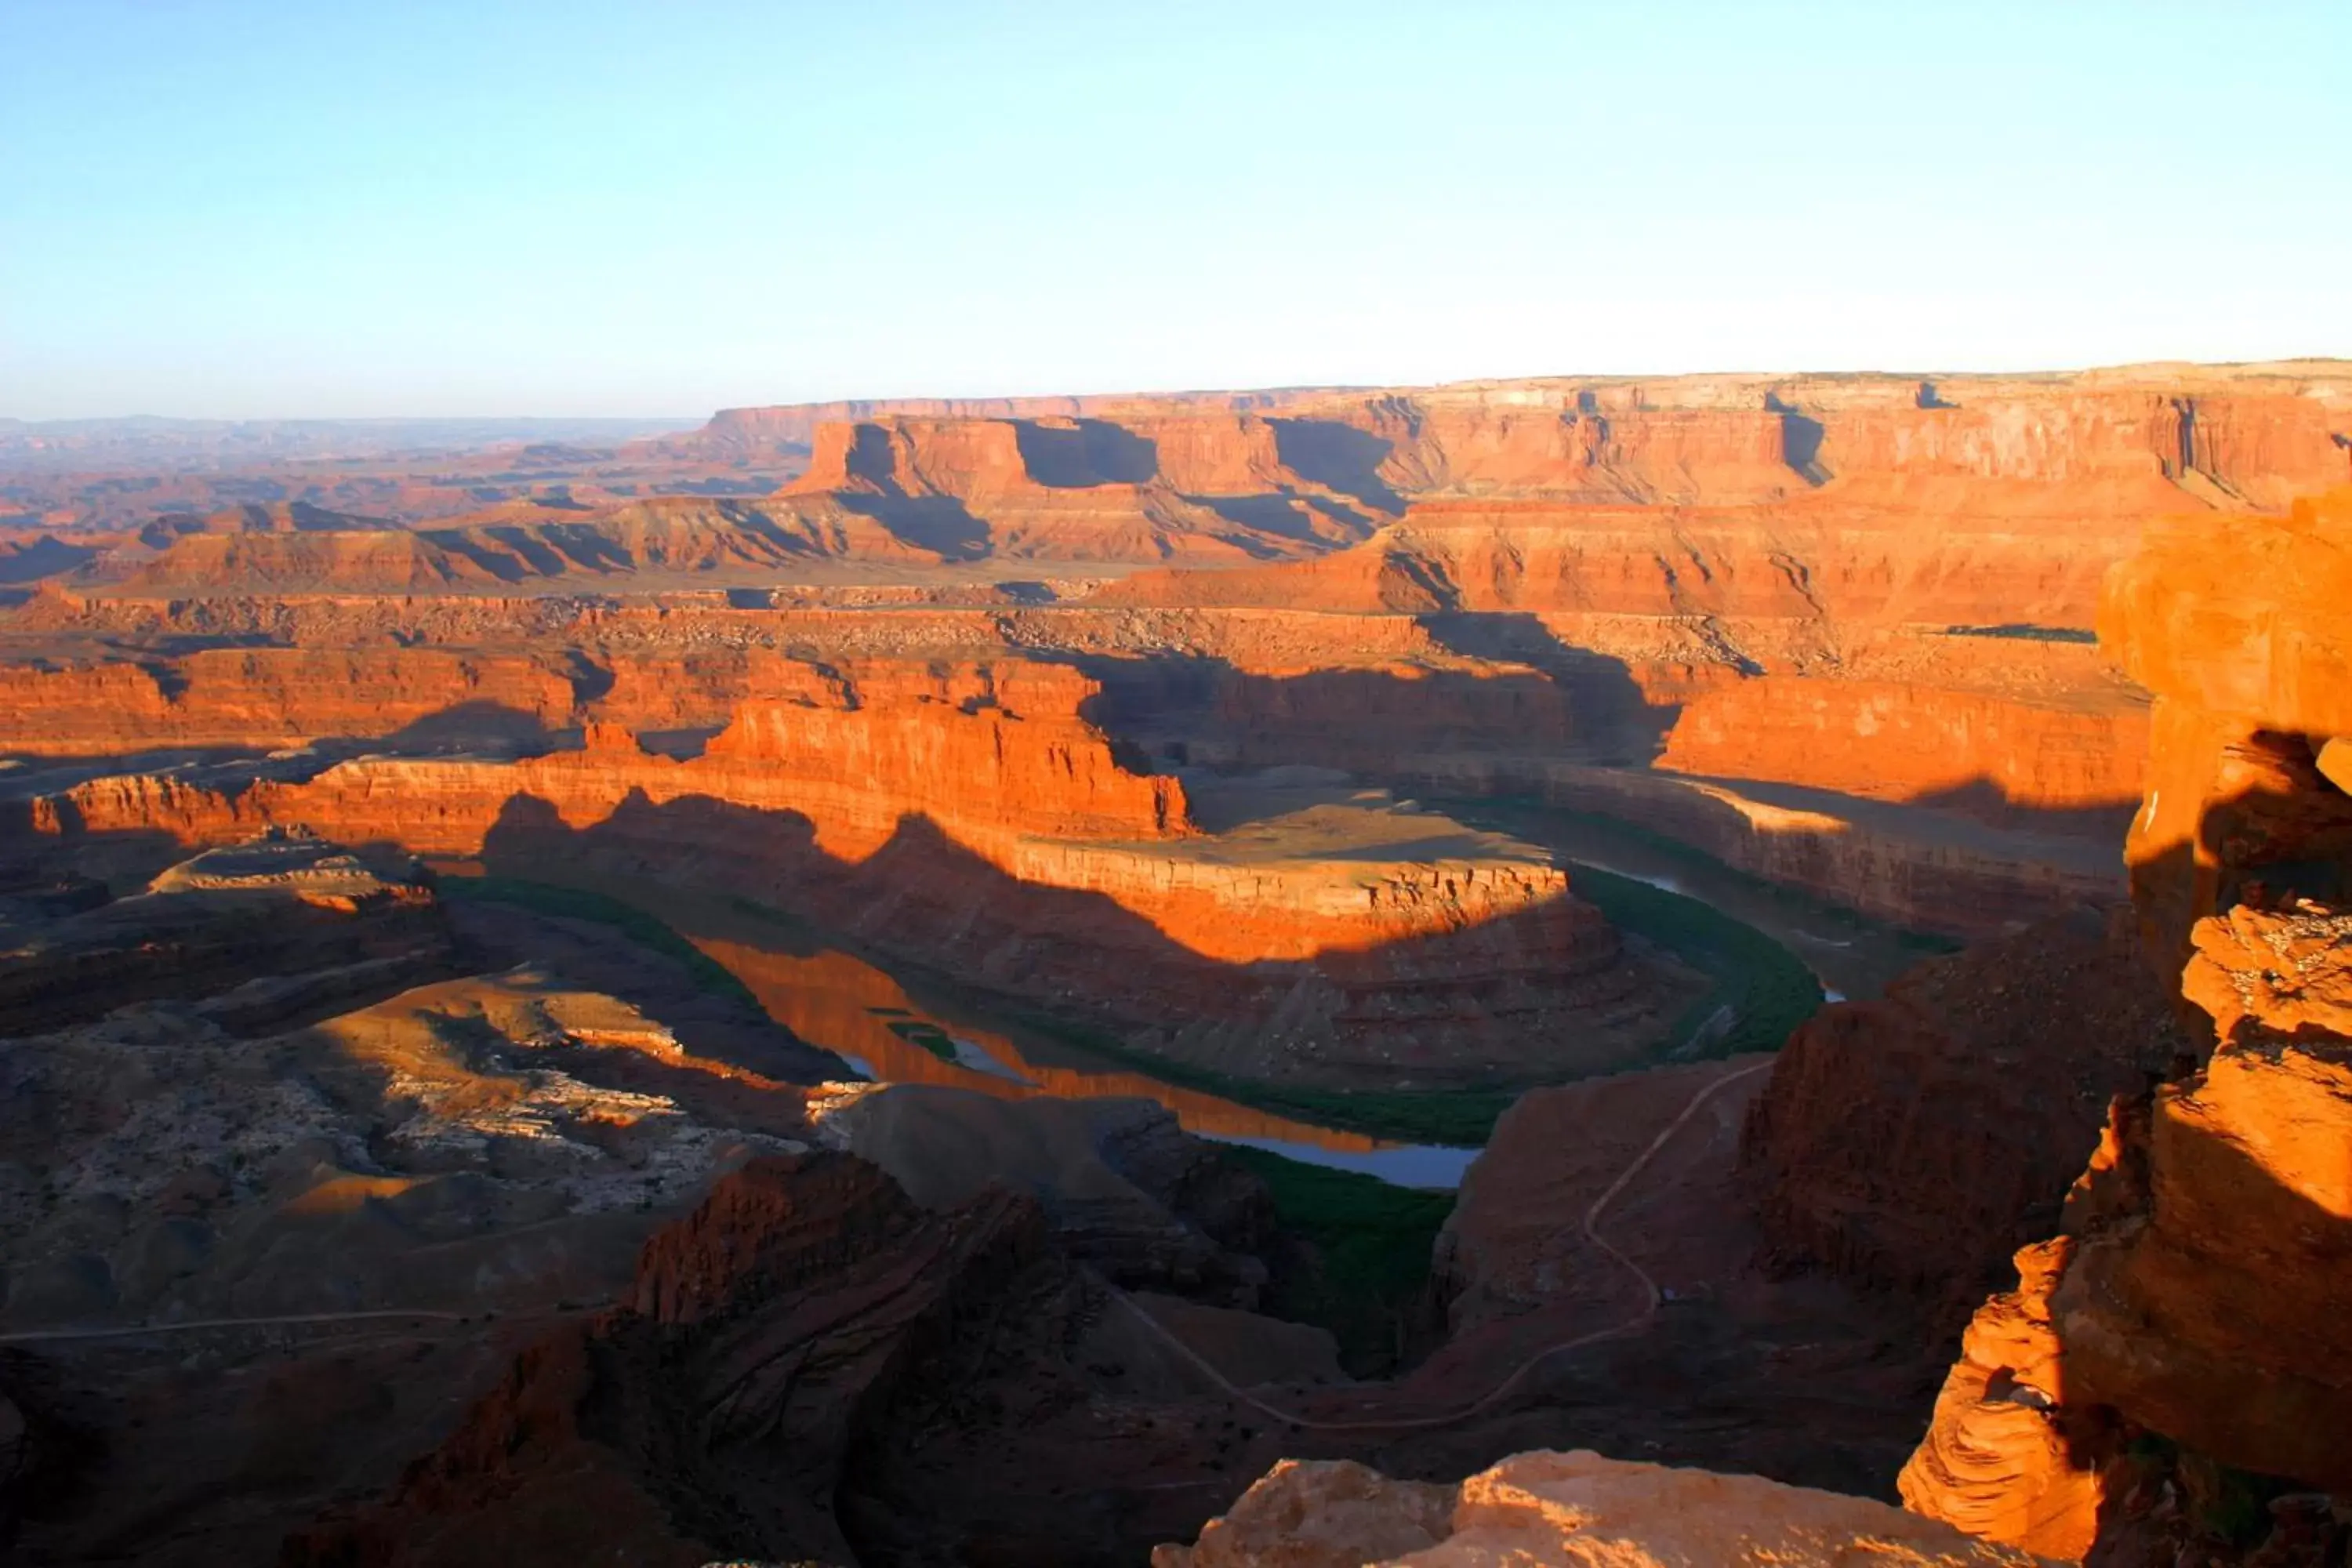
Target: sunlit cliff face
[2184,1305]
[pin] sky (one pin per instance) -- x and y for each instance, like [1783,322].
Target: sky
[238,208]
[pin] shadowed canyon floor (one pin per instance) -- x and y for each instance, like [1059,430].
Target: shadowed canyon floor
[951,981]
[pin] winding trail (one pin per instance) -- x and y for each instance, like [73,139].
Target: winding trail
[1526,1369]
[37,1335]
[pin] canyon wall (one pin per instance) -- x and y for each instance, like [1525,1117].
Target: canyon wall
[1724,496]
[273,697]
[965,817]
[1574,588]
[1898,740]
[2186,1322]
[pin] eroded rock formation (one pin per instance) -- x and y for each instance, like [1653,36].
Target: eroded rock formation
[1579,1510]
[967,817]
[810,1367]
[269,931]
[2185,1325]
[1913,1142]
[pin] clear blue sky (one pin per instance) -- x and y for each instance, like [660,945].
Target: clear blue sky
[234,207]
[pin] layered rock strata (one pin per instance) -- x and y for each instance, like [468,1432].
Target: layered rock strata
[969,818]
[2237,629]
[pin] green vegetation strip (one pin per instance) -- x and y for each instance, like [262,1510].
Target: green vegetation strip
[579,904]
[1768,988]
[1460,1116]
[1374,1244]
[929,1036]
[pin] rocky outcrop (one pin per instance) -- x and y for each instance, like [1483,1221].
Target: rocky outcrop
[277,696]
[2213,1240]
[712,1414]
[1577,1509]
[2185,1325]
[493,1142]
[991,751]
[264,933]
[1915,1141]
[2238,630]
[1519,1240]
[812,1368]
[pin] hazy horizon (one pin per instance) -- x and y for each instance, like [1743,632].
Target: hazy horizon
[679,419]
[253,209]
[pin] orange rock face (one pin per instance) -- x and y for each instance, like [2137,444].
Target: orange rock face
[2002,1459]
[1577,1509]
[271,696]
[2239,630]
[1887,741]
[991,753]
[2206,1302]
[2196,1294]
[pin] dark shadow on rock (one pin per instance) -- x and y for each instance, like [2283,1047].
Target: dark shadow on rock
[1282,517]
[478,722]
[1084,453]
[870,458]
[536,551]
[923,895]
[1613,723]
[586,546]
[44,557]
[1338,457]
[751,519]
[1800,441]
[2289,830]
[1575,732]
[591,681]
[941,524]
[462,543]
[1984,800]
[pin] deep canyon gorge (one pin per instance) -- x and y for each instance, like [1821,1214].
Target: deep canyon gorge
[1721,968]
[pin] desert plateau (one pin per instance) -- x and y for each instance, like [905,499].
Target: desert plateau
[977,1000]
[674,894]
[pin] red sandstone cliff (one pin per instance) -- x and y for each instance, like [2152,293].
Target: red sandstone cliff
[1915,1141]
[2194,1298]
[1890,740]
[273,697]
[1724,496]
